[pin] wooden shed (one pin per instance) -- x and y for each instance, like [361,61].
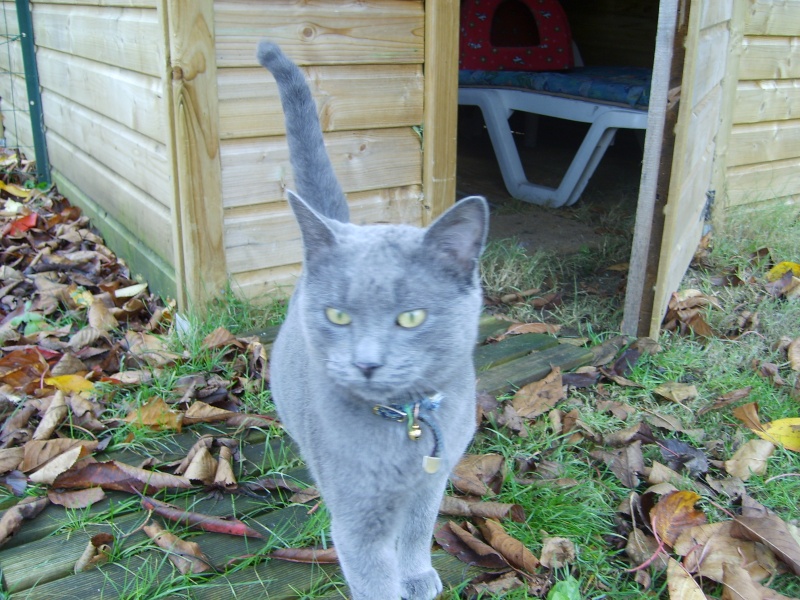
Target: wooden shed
[162,127]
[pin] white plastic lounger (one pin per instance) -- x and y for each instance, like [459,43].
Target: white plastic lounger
[607,98]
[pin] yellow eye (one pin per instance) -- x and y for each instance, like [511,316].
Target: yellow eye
[412,318]
[337,317]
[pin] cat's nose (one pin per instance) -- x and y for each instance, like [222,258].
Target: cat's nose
[367,368]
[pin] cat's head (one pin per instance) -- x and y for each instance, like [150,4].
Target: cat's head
[391,310]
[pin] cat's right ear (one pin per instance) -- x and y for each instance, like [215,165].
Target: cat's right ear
[316,230]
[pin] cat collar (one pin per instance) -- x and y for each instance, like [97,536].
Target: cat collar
[412,414]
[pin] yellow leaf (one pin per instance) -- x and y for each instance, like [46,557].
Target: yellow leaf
[15,190]
[785,432]
[781,269]
[70,383]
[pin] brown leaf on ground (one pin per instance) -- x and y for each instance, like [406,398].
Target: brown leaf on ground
[479,474]
[200,412]
[97,552]
[12,519]
[726,399]
[55,414]
[224,476]
[511,548]
[149,349]
[557,552]
[114,475]
[676,392]
[307,494]
[10,459]
[59,464]
[706,549]
[675,512]
[23,369]
[204,442]
[538,397]
[462,507]
[496,587]
[626,463]
[220,338]
[750,459]
[773,532]
[186,556]
[641,548]
[312,556]
[467,548]
[39,452]
[77,498]
[100,317]
[680,584]
[199,520]
[202,467]
[793,354]
[156,414]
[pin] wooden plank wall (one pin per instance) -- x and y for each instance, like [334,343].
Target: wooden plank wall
[364,62]
[763,157]
[102,69]
[708,64]
[16,123]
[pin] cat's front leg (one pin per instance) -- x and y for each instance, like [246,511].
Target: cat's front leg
[365,545]
[419,580]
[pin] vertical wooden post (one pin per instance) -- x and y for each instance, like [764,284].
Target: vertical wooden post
[198,213]
[440,106]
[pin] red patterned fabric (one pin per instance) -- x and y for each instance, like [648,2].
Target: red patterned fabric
[514,35]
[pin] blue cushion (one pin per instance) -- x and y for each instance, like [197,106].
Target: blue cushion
[620,85]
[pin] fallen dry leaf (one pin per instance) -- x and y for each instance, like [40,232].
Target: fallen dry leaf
[48,473]
[511,548]
[77,498]
[538,397]
[313,556]
[53,417]
[676,392]
[39,452]
[680,584]
[198,520]
[773,532]
[461,507]
[114,475]
[675,512]
[203,467]
[478,474]
[467,548]
[186,556]
[11,520]
[97,552]
[156,414]
[557,552]
[750,459]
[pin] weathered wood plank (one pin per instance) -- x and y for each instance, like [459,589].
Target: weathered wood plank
[140,259]
[132,99]
[147,219]
[194,140]
[763,181]
[532,367]
[248,248]
[489,356]
[770,58]
[123,3]
[767,17]
[138,159]
[441,95]
[124,37]
[764,142]
[258,171]
[768,100]
[321,32]
[352,97]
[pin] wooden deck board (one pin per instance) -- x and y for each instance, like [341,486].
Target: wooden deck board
[38,563]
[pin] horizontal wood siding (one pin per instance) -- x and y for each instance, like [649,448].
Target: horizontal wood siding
[102,69]
[764,147]
[363,61]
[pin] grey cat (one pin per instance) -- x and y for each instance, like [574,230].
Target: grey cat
[372,371]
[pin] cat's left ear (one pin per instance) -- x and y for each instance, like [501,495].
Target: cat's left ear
[460,233]
[318,236]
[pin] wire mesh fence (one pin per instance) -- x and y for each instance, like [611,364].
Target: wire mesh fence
[20,106]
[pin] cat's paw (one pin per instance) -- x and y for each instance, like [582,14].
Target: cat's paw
[425,586]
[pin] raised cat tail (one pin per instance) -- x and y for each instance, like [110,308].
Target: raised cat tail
[313,173]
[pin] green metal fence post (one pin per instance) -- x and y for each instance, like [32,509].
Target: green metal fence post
[34,93]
